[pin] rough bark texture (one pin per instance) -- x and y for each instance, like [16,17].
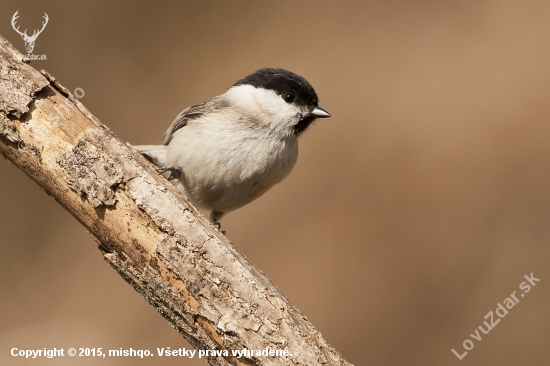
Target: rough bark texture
[146,228]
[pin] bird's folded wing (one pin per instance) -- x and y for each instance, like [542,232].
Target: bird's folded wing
[181,120]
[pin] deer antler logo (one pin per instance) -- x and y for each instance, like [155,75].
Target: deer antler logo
[29,40]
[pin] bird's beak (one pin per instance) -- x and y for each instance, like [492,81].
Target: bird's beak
[319,112]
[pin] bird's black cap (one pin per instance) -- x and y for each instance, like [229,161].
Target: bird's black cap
[282,81]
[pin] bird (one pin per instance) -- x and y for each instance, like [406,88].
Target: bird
[230,150]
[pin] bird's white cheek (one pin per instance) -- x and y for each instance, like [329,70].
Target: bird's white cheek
[266,104]
[272,104]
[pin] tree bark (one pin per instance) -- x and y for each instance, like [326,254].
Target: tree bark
[146,229]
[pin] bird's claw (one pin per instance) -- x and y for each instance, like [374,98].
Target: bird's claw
[214,218]
[175,171]
[218,226]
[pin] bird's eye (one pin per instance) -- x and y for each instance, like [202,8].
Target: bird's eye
[289,97]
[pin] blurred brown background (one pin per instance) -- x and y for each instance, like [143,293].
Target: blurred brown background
[411,213]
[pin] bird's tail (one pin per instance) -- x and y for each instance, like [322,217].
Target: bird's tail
[156,154]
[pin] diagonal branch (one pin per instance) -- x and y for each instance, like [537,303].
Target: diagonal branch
[146,229]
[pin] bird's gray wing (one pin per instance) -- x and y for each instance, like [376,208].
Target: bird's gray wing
[195,111]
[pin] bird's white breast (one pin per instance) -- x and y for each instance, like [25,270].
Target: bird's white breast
[228,159]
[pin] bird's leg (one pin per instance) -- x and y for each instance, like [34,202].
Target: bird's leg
[215,216]
[175,171]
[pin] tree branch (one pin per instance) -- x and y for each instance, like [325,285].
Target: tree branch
[145,227]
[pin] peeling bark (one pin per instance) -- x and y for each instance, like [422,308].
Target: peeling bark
[146,229]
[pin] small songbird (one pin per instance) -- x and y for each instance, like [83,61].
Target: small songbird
[229,151]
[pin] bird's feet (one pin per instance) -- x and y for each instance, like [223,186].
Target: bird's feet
[218,226]
[175,171]
[215,216]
